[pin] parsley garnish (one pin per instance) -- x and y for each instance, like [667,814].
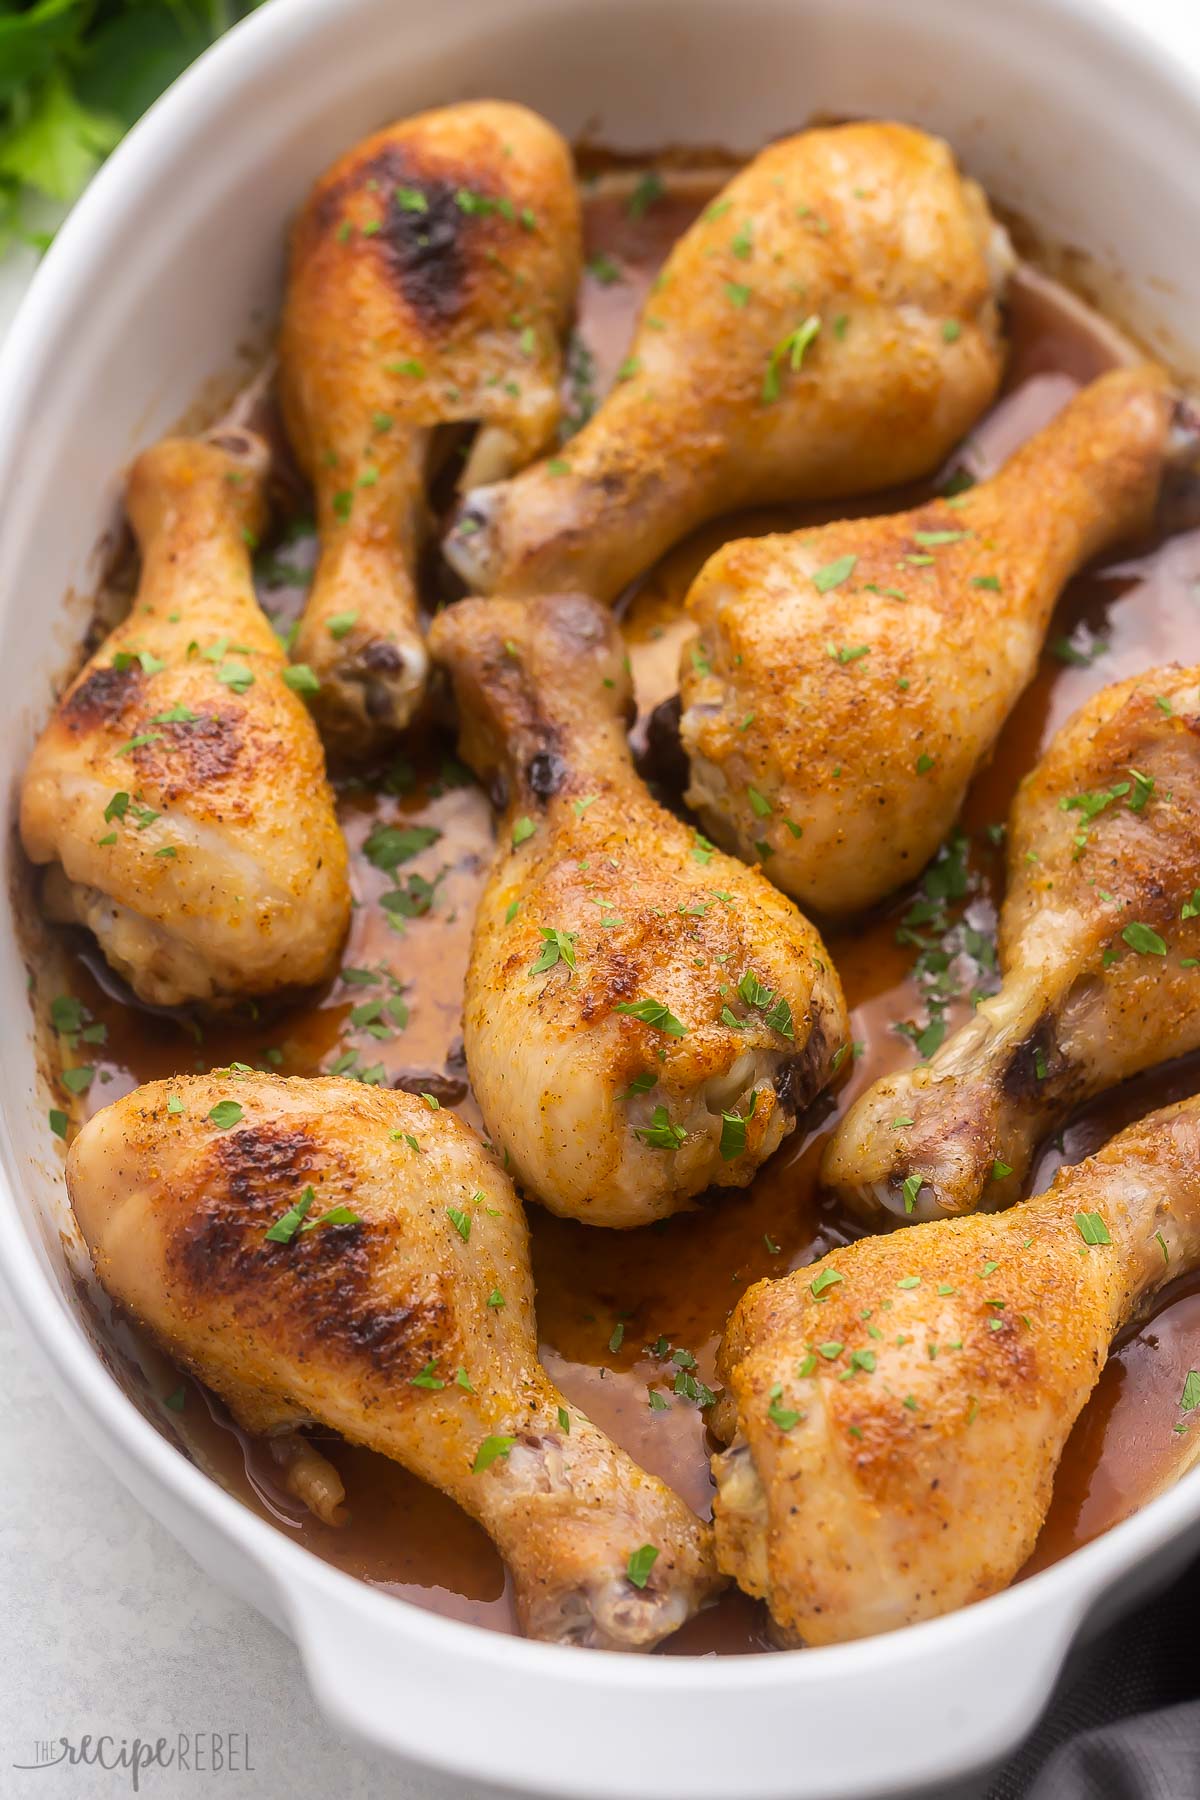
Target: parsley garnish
[559,946]
[791,348]
[225,1114]
[1144,939]
[653,1012]
[640,1564]
[661,1134]
[833,574]
[489,1450]
[733,1131]
[1091,1228]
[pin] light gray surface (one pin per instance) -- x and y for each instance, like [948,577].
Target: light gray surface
[107,1627]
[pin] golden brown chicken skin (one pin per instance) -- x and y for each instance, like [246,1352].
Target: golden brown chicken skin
[828,326]
[1098,946]
[322,1251]
[644,1018]
[850,679]
[179,791]
[898,1409]
[433,272]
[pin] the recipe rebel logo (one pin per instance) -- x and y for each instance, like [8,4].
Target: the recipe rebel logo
[187,1753]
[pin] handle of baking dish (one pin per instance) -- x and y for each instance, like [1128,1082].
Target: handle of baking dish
[884,1717]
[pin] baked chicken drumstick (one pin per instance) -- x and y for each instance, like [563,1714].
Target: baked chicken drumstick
[828,326]
[851,678]
[1098,947]
[898,1409]
[643,1017]
[179,790]
[433,272]
[325,1251]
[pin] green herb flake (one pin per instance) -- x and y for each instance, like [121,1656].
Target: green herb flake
[489,1451]
[286,1227]
[733,1133]
[790,349]
[558,946]
[822,1280]
[833,574]
[654,1013]
[1144,939]
[648,189]
[640,1564]
[1091,1228]
[661,1134]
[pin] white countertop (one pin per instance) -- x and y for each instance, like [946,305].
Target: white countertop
[108,1627]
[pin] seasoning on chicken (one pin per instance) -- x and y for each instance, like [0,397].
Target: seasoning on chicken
[898,1409]
[828,326]
[644,1017]
[1099,948]
[327,1252]
[433,272]
[852,678]
[179,790]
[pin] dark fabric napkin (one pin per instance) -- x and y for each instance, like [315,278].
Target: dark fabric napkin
[1125,1723]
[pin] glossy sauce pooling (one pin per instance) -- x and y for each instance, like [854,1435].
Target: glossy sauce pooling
[624,1314]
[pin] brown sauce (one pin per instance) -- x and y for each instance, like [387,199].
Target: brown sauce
[676,1281]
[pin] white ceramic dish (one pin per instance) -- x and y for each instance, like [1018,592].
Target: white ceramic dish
[172,259]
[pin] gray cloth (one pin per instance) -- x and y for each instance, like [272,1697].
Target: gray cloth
[1125,1725]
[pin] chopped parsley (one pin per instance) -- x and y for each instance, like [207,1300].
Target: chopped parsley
[640,1563]
[225,1114]
[833,574]
[791,350]
[653,1012]
[661,1134]
[558,946]
[1144,939]
[733,1131]
[488,1452]
[1091,1228]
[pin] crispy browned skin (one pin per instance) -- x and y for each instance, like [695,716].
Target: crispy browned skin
[865,233]
[219,869]
[429,1280]
[896,1438]
[433,272]
[648,913]
[1081,1007]
[858,715]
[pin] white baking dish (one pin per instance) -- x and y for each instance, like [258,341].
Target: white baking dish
[171,261]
